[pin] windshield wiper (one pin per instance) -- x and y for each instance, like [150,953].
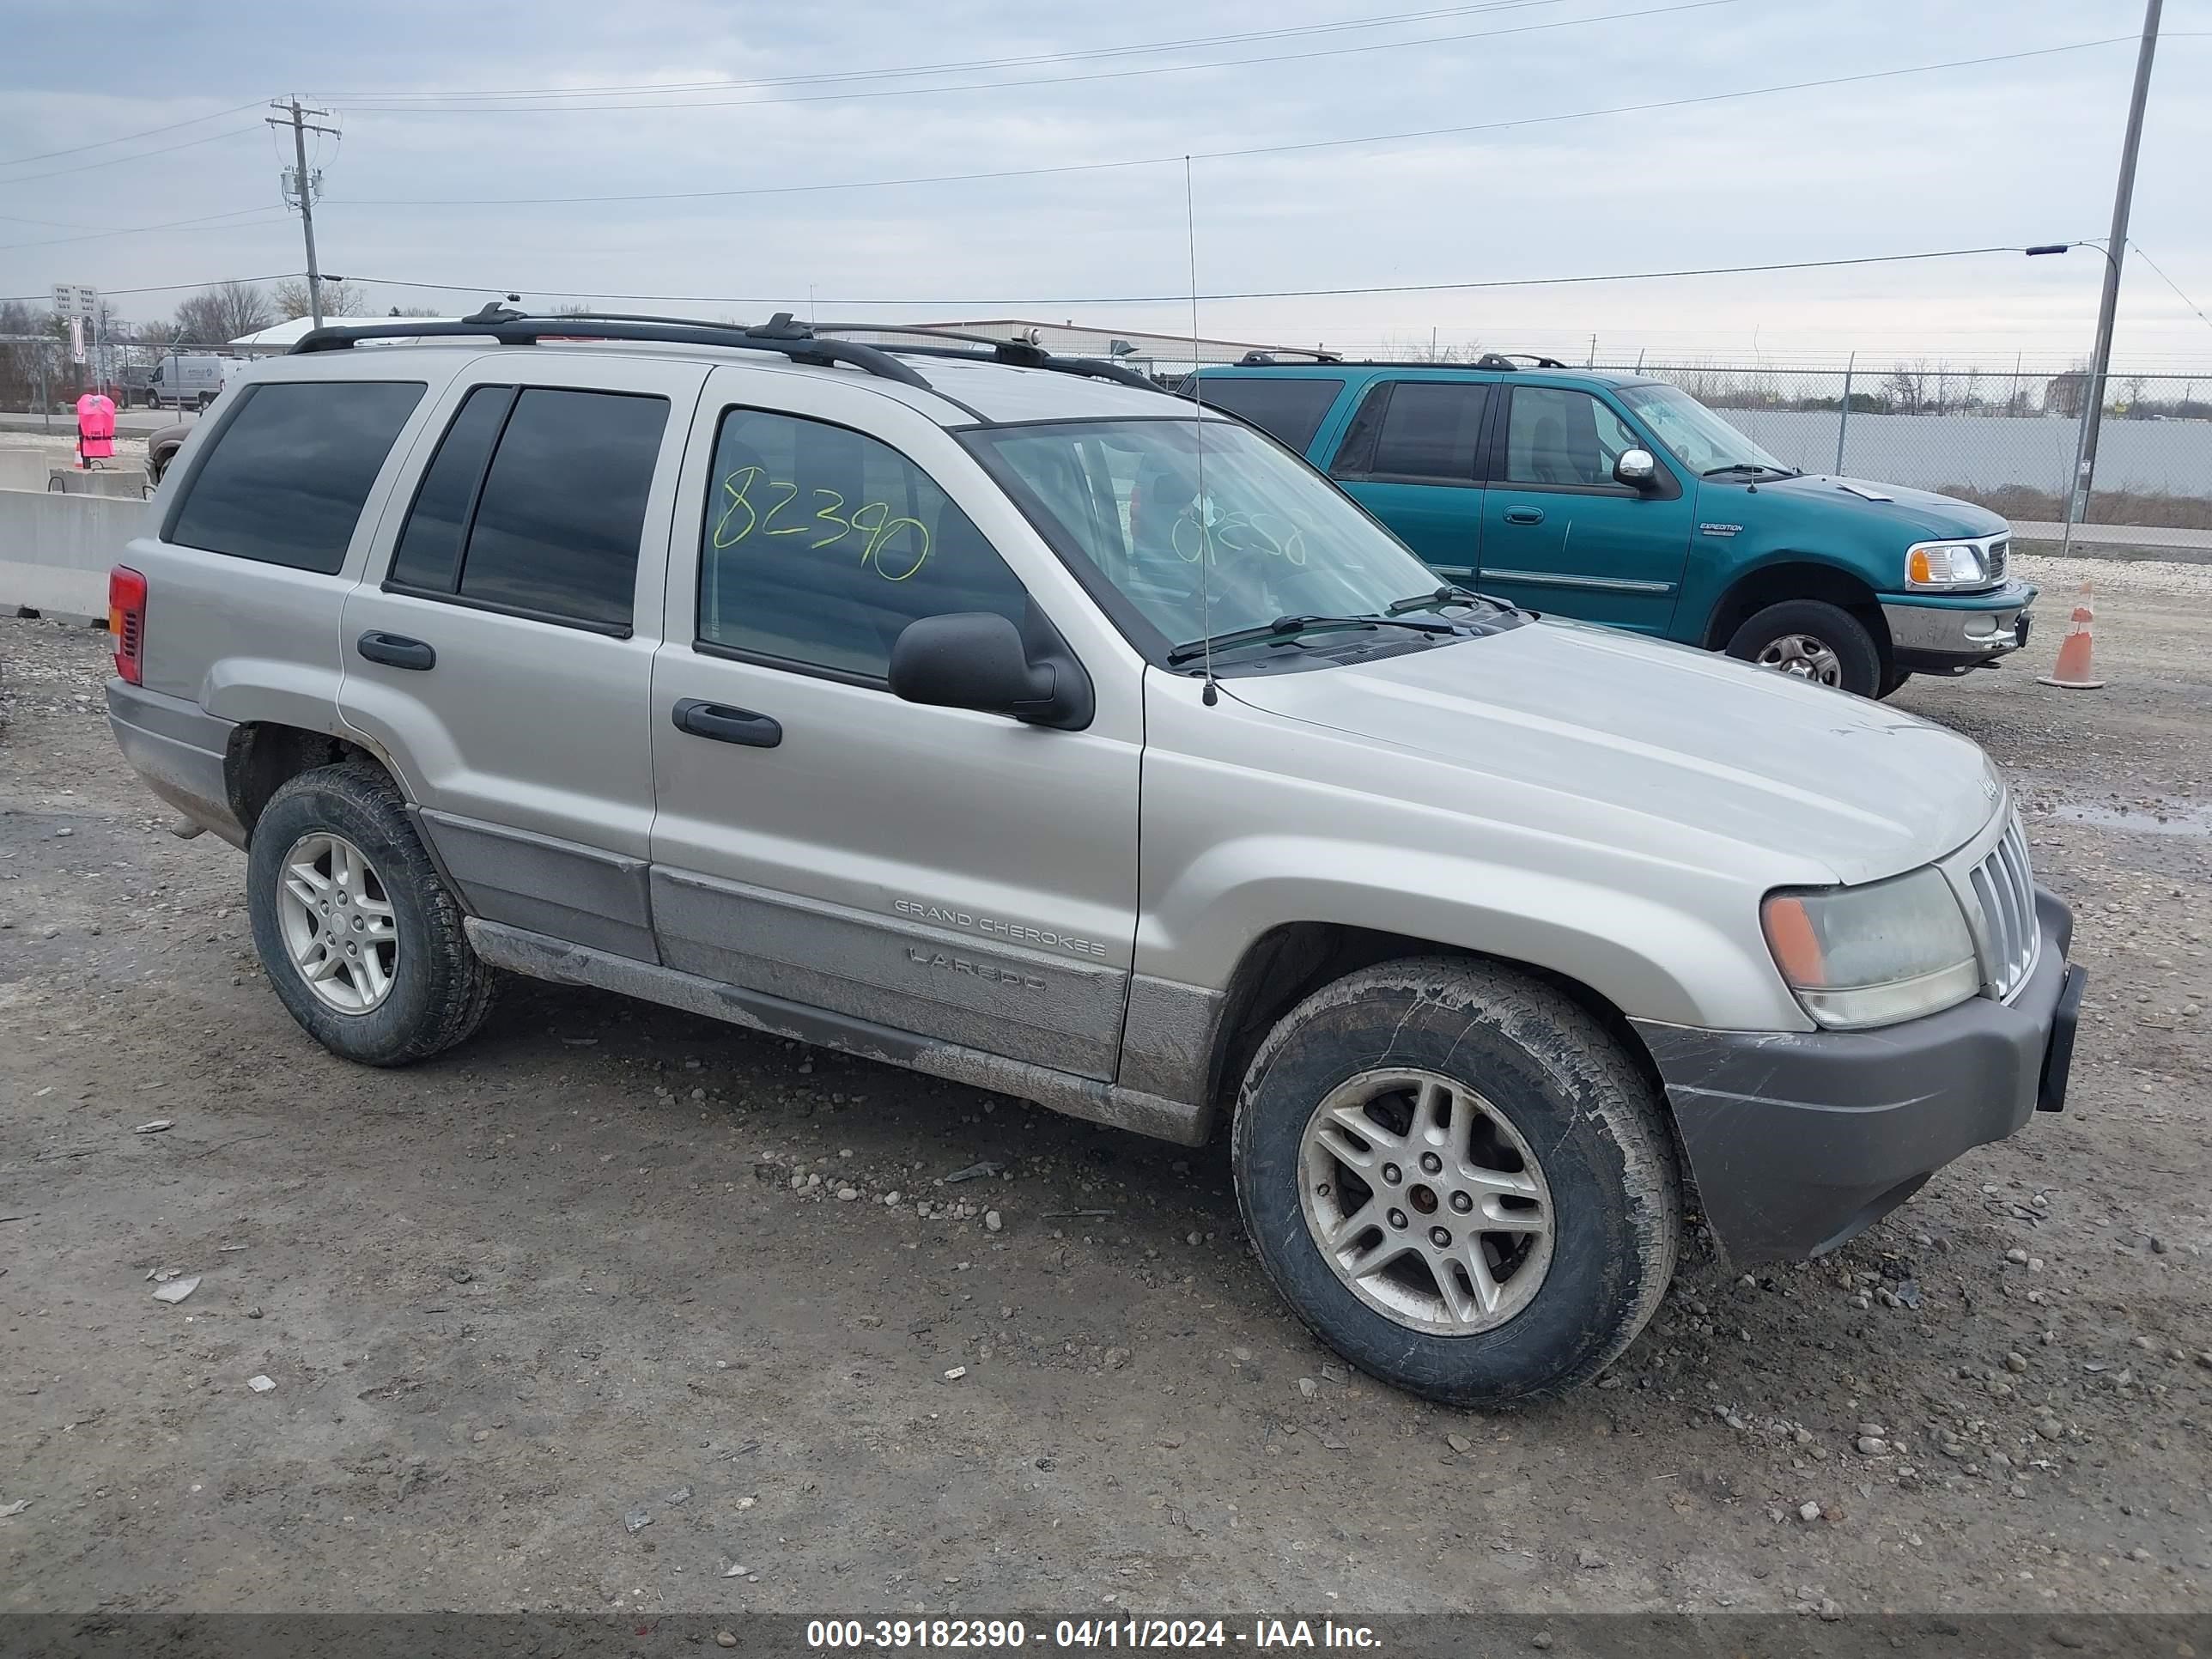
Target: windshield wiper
[1750,466]
[1283,627]
[1449,594]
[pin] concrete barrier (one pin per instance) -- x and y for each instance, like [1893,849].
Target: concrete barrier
[56,550]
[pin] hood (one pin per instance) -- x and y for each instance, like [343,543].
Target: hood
[1917,515]
[1619,736]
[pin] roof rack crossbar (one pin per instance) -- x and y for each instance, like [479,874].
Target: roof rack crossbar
[1022,354]
[780,336]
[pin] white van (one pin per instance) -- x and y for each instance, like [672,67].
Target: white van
[189,381]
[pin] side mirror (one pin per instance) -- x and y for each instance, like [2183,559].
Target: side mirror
[977,660]
[1637,469]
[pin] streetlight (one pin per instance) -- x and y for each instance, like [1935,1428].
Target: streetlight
[2093,398]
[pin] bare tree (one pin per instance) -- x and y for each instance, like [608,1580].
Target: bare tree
[218,314]
[340,298]
[1907,387]
[34,356]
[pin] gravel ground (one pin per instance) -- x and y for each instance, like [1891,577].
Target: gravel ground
[618,1307]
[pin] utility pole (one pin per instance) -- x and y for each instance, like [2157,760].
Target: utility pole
[2115,251]
[303,190]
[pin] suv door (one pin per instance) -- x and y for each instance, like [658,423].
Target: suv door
[1558,534]
[937,872]
[1409,458]
[498,652]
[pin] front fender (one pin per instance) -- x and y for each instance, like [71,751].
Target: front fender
[1642,951]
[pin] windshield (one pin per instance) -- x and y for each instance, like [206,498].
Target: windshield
[1700,439]
[1277,538]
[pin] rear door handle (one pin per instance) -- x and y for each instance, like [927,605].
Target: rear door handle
[1524,515]
[726,724]
[396,650]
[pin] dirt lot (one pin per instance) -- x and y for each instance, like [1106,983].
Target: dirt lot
[552,1326]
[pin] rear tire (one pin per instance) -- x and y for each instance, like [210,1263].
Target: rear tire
[1415,1094]
[1892,680]
[1812,639]
[360,937]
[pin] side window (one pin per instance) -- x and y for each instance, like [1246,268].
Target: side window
[1289,409]
[552,529]
[429,552]
[290,469]
[821,544]
[1558,436]
[1418,431]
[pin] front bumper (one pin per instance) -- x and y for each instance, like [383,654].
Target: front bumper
[1933,633]
[1798,1141]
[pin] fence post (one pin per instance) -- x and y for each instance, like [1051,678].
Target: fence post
[1843,416]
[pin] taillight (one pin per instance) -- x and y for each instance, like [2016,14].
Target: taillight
[126,621]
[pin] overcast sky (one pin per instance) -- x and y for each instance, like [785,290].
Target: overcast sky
[2012,152]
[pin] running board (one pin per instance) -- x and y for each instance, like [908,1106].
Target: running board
[538,955]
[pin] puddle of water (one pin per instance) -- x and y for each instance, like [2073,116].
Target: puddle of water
[2167,818]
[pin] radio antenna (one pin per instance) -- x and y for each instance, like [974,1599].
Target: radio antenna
[1212,695]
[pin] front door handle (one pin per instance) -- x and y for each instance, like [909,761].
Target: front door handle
[396,650]
[726,724]
[1524,515]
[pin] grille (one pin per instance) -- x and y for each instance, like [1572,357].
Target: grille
[1997,550]
[2005,894]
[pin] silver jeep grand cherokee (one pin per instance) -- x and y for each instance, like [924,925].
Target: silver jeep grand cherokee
[999,717]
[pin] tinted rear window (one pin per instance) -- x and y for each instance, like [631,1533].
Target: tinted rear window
[563,510]
[430,547]
[1421,430]
[290,469]
[1289,409]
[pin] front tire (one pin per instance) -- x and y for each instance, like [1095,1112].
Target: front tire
[1814,641]
[360,937]
[1458,1180]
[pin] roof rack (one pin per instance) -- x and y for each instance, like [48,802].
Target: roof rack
[1020,354]
[1490,360]
[1275,354]
[781,335]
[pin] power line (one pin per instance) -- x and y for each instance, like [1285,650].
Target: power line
[140,230]
[1178,298]
[125,137]
[118,161]
[2169,282]
[1062,80]
[1232,155]
[969,66]
[164,288]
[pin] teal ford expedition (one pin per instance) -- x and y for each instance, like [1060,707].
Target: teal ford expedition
[1622,500]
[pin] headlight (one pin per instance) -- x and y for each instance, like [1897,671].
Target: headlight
[1873,955]
[1946,564]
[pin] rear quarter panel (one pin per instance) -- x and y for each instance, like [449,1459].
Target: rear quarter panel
[246,640]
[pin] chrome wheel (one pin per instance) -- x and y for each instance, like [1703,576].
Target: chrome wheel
[338,923]
[1804,655]
[1425,1202]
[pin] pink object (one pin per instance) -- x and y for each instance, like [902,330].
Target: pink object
[95,427]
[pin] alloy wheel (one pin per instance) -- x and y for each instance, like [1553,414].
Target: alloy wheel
[338,923]
[1426,1201]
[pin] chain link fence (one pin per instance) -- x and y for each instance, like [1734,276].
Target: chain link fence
[2005,441]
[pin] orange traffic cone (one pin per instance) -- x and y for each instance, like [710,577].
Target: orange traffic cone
[2073,669]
